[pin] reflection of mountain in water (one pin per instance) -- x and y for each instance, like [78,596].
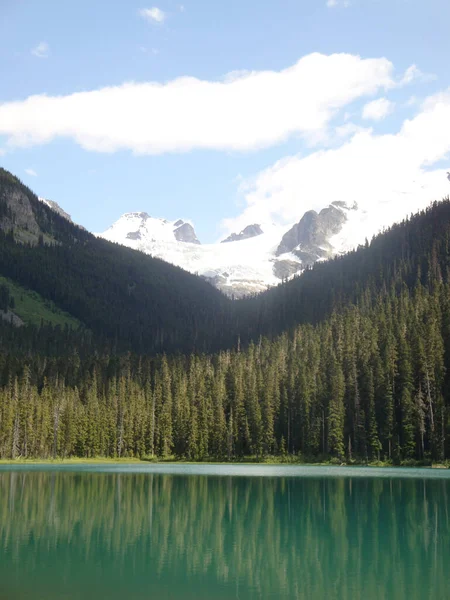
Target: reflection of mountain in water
[160,536]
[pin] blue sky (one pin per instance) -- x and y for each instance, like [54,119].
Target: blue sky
[221,178]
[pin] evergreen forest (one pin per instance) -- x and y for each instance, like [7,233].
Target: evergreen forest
[348,362]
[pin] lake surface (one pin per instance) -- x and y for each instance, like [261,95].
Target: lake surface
[221,532]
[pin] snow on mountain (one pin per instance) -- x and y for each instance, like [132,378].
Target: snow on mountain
[262,255]
[250,261]
[136,227]
[238,268]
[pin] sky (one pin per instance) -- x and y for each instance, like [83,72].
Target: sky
[226,113]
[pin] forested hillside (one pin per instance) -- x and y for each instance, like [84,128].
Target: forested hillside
[418,249]
[125,297]
[351,360]
[368,383]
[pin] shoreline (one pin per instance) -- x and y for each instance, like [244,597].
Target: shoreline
[246,461]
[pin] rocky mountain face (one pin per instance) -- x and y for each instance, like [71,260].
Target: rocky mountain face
[19,215]
[309,239]
[184,232]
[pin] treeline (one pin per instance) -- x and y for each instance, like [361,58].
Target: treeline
[369,383]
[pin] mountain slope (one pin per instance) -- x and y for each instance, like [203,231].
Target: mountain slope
[122,295]
[32,309]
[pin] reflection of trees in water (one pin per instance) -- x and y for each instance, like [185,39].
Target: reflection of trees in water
[307,538]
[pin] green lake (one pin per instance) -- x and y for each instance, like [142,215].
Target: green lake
[223,532]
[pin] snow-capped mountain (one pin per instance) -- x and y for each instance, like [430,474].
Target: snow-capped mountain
[140,227]
[249,261]
[261,255]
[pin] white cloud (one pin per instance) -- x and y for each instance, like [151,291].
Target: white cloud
[349,129]
[42,50]
[414,74]
[31,172]
[247,111]
[153,15]
[377,109]
[389,175]
[181,8]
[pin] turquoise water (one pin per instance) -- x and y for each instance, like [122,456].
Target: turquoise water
[203,532]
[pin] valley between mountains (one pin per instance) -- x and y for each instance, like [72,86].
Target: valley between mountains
[261,255]
[109,351]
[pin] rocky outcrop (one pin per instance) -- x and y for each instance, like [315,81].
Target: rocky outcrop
[309,238]
[185,233]
[11,317]
[283,269]
[20,215]
[134,235]
[249,232]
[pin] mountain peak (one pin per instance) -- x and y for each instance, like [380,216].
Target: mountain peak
[140,229]
[248,232]
[309,239]
[136,215]
[185,233]
[56,207]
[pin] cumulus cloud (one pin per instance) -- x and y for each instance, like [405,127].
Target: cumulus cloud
[246,111]
[31,172]
[377,109]
[42,50]
[389,176]
[153,15]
